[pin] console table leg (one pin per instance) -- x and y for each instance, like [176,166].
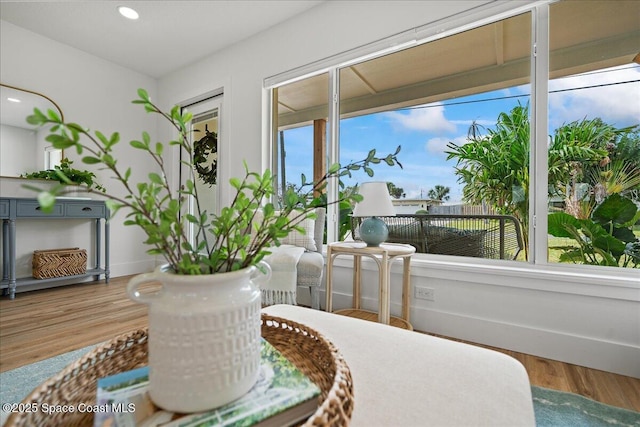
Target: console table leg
[357,277]
[106,250]
[12,259]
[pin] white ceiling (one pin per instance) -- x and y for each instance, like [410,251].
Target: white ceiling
[169,34]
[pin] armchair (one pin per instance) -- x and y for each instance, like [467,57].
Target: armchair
[299,258]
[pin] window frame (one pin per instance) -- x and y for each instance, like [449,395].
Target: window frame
[537,263]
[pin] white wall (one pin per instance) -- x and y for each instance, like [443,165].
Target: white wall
[96,94]
[585,319]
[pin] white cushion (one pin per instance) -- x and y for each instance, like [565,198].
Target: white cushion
[296,238]
[405,378]
[299,239]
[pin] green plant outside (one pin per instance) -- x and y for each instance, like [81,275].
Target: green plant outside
[494,167]
[606,238]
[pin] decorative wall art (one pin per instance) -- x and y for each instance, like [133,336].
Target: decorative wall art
[205,157]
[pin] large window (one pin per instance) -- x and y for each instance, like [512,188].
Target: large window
[461,109]
[443,102]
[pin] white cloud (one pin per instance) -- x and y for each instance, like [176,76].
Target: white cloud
[616,104]
[467,123]
[430,119]
[438,145]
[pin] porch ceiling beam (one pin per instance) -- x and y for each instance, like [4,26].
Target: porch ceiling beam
[364,81]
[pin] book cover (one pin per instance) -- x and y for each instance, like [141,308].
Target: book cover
[282,396]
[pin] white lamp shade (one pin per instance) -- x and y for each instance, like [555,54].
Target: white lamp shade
[376,200]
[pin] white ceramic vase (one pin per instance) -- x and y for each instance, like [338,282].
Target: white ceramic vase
[204,336]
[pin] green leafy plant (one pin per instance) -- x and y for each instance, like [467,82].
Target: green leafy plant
[606,238]
[67,175]
[494,166]
[158,210]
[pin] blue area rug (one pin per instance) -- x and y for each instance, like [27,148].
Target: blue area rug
[16,384]
[552,408]
[558,409]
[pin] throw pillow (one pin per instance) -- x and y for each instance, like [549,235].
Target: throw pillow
[305,240]
[296,238]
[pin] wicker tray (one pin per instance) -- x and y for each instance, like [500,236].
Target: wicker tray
[307,349]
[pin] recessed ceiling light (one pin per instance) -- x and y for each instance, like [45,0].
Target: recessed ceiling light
[127,12]
[13,100]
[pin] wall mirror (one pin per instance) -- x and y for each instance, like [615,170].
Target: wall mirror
[23,148]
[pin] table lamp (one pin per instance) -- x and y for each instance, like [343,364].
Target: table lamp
[376,202]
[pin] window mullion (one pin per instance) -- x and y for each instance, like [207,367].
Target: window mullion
[538,191]
[333,211]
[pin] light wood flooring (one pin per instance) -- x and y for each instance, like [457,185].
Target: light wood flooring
[41,324]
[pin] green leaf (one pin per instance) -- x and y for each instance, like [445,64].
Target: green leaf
[560,224]
[143,95]
[137,144]
[155,178]
[91,160]
[371,155]
[235,183]
[46,200]
[616,209]
[102,138]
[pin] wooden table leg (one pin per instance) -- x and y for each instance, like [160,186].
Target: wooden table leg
[384,301]
[329,302]
[357,280]
[406,289]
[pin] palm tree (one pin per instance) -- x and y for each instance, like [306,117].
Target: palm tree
[584,180]
[439,192]
[395,192]
[494,168]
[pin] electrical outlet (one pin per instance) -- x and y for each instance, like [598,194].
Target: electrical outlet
[425,293]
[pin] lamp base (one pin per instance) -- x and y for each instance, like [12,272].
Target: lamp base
[373,231]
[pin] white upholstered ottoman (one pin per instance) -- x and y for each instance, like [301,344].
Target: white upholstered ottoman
[404,378]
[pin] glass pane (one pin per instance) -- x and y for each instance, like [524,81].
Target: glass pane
[594,149]
[300,125]
[459,108]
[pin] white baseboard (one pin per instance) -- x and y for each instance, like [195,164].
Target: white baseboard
[604,355]
[129,268]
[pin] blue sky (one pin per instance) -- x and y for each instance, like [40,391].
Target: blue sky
[424,133]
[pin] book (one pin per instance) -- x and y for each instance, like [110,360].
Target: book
[282,396]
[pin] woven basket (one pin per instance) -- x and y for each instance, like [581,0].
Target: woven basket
[303,346]
[59,263]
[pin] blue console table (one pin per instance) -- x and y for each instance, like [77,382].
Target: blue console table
[14,209]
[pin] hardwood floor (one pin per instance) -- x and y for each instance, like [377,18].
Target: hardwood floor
[41,324]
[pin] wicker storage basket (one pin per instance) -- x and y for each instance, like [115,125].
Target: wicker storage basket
[59,262]
[304,347]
